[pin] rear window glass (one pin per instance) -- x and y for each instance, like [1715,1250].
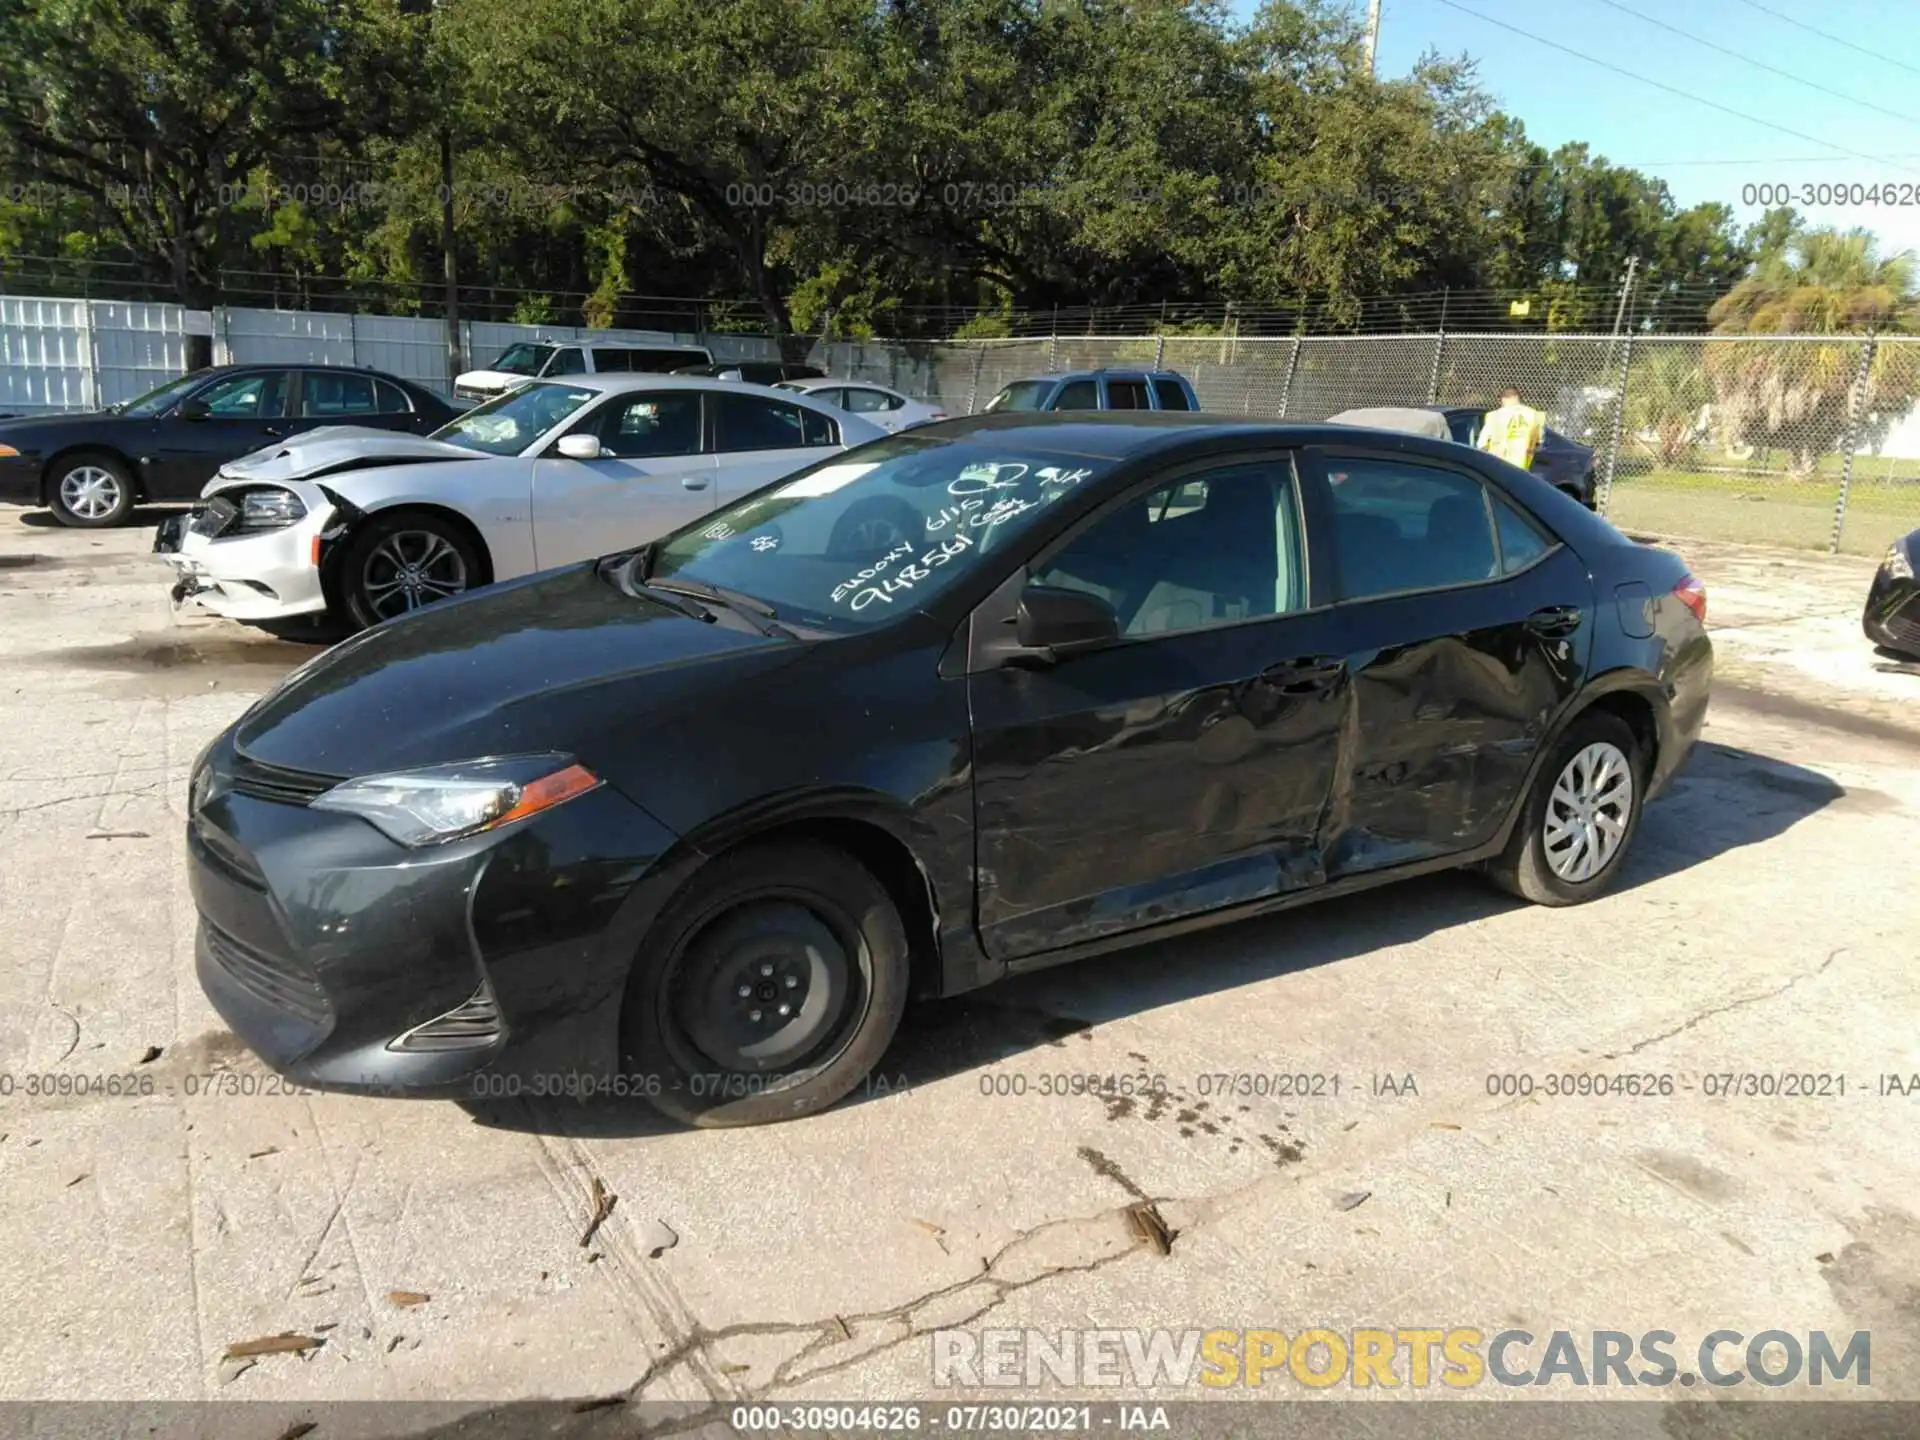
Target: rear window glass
[1171,394]
[1128,394]
[1078,395]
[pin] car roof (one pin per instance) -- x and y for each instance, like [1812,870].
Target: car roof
[1127,370]
[610,382]
[1125,434]
[822,382]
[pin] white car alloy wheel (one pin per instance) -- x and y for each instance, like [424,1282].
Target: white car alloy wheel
[1588,812]
[408,569]
[90,492]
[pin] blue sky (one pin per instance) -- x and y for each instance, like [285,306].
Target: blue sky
[1561,98]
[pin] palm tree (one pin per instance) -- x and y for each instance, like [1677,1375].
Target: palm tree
[1667,394]
[1795,393]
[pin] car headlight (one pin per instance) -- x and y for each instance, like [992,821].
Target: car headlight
[269,509]
[444,802]
[1899,565]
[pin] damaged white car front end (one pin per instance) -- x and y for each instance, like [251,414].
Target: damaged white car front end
[252,551]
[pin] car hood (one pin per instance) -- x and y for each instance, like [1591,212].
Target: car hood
[333,448]
[563,660]
[52,421]
[491,379]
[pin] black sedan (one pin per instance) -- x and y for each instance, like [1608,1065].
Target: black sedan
[1565,464]
[1892,618]
[91,469]
[691,822]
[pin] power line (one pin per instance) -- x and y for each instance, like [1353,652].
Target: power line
[1660,84]
[1759,64]
[1834,39]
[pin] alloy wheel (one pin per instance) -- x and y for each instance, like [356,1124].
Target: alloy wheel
[1588,811]
[90,492]
[409,569]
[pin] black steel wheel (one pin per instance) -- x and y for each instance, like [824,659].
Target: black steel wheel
[768,988]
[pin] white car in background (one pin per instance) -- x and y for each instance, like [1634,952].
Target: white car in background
[365,525]
[886,408]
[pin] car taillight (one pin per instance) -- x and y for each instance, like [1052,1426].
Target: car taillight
[1692,594]
[939,415]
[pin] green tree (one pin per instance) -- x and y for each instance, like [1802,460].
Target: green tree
[1667,394]
[159,111]
[1808,282]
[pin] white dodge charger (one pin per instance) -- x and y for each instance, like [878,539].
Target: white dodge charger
[365,524]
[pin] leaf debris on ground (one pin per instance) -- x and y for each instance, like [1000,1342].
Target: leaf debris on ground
[1352,1200]
[603,1202]
[285,1343]
[1150,1227]
[406,1298]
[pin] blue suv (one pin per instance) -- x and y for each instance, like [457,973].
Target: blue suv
[1099,390]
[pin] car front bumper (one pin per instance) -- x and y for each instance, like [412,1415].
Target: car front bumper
[269,575]
[19,480]
[332,951]
[1892,616]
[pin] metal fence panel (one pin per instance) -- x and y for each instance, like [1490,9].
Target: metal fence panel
[1336,374]
[46,356]
[405,345]
[137,345]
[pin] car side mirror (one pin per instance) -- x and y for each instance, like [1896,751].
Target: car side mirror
[193,410]
[1052,621]
[581,447]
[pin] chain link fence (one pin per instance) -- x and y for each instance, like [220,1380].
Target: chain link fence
[1804,441]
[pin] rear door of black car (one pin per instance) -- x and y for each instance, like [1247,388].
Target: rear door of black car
[1184,767]
[1466,626]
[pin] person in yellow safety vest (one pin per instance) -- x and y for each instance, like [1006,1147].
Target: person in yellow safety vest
[1513,431]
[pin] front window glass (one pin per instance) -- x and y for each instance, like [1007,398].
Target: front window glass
[508,424]
[260,396]
[1022,395]
[523,359]
[1212,550]
[649,426]
[154,401]
[852,542]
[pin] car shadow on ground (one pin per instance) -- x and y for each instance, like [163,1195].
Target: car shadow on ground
[1725,799]
[141,515]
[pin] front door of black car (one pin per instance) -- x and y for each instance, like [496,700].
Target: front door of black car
[244,412]
[1185,766]
[1467,627]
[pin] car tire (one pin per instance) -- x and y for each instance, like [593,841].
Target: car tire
[90,491]
[397,563]
[795,924]
[1596,767]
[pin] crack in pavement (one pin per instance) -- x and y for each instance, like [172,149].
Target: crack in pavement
[895,1325]
[1730,1006]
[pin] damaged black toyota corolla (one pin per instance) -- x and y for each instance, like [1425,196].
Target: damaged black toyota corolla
[692,823]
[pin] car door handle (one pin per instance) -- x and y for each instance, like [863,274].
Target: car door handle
[1556,622]
[274,430]
[694,482]
[1304,676]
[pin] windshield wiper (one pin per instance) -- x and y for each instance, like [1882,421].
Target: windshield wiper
[756,613]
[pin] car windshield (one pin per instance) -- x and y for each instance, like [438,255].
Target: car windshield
[158,399]
[509,423]
[524,358]
[1022,395]
[849,543]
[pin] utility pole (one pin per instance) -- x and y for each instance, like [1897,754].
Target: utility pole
[1373,33]
[449,264]
[1626,292]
